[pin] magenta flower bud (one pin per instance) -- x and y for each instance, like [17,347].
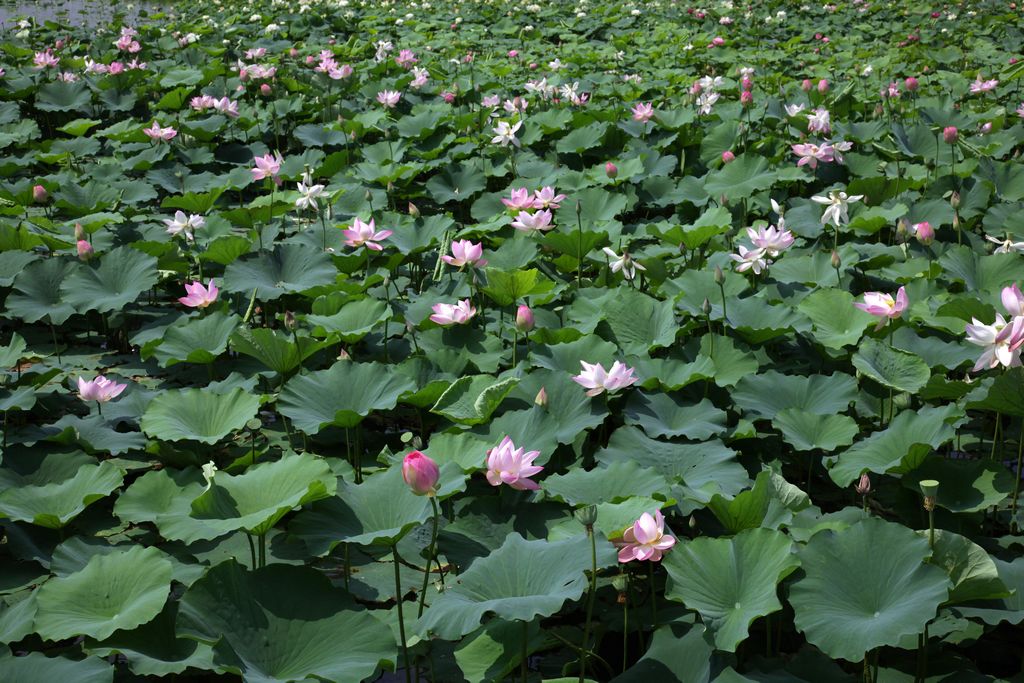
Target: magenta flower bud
[448,97]
[39,194]
[310,59]
[79,232]
[863,486]
[806,85]
[950,134]
[421,474]
[910,84]
[524,319]
[265,89]
[84,249]
[611,170]
[293,53]
[533,65]
[727,156]
[746,98]
[513,53]
[823,86]
[747,83]
[414,210]
[924,232]
[541,398]
[986,128]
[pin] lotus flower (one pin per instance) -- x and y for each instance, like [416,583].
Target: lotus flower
[596,380]
[528,222]
[198,295]
[421,473]
[837,211]
[505,134]
[507,464]
[308,193]
[524,319]
[453,314]
[99,389]
[389,98]
[465,253]
[519,200]
[1002,341]
[267,166]
[773,240]
[545,198]
[84,250]
[646,540]
[625,263]
[365,234]
[643,112]
[158,134]
[811,154]
[1013,300]
[750,259]
[182,224]
[883,306]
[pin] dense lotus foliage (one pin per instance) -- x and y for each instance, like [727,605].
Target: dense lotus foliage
[438,341]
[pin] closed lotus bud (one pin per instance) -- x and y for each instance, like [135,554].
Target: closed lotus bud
[823,86]
[902,230]
[84,250]
[863,486]
[344,355]
[836,261]
[727,156]
[293,53]
[524,319]
[79,232]
[705,307]
[747,83]
[310,59]
[806,85]
[611,170]
[924,232]
[587,515]
[414,210]
[39,194]
[746,98]
[910,84]
[265,89]
[421,474]
[542,398]
[954,200]
[950,134]
[719,276]
[289,321]
[986,128]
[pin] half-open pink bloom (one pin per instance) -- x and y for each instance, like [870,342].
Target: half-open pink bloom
[646,540]
[158,134]
[421,473]
[811,154]
[465,253]
[389,98]
[199,296]
[1013,300]
[519,200]
[1001,340]
[267,166]
[979,85]
[507,464]
[642,112]
[773,240]
[883,306]
[596,380]
[45,60]
[453,314]
[99,389]
[545,198]
[365,235]
[528,222]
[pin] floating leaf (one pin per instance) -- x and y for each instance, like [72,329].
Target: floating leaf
[198,415]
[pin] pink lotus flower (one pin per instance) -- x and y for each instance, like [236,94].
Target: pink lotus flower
[365,234]
[811,154]
[646,540]
[420,77]
[158,134]
[883,306]
[465,253]
[267,166]
[773,240]
[524,319]
[116,68]
[527,222]
[507,464]
[453,314]
[198,295]
[643,112]
[405,59]
[1013,300]
[255,53]
[389,98]
[99,389]
[749,259]
[126,44]
[45,60]
[421,473]
[519,199]
[545,198]
[596,380]
[490,101]
[1002,341]
[980,86]
[819,121]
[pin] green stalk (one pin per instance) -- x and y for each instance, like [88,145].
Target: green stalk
[430,556]
[590,602]
[1016,484]
[401,617]
[523,665]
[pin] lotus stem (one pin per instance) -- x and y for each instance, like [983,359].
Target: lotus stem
[263,550]
[252,550]
[1016,479]
[654,603]
[401,617]
[430,556]
[524,668]
[996,432]
[590,602]
[625,625]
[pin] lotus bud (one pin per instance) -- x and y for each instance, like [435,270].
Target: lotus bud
[421,474]
[986,128]
[611,170]
[524,319]
[541,398]
[79,232]
[902,230]
[746,98]
[692,523]
[705,307]
[823,86]
[924,232]
[586,516]
[910,84]
[289,321]
[414,210]
[863,486]
[806,85]
[727,156]
[836,261]
[747,83]
[293,53]
[719,276]
[310,59]
[954,200]
[209,471]
[84,250]
[929,489]
[39,194]
[950,134]
[344,355]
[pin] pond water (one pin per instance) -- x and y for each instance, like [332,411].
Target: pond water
[73,12]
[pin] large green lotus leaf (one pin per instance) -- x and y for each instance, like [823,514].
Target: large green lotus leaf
[806,431]
[597,205]
[35,667]
[1009,609]
[197,340]
[22,398]
[280,352]
[972,571]
[198,415]
[61,96]
[117,280]
[1005,394]
[566,357]
[981,272]
[640,322]
[289,268]
[453,350]
[579,140]
[728,364]
[521,580]
[256,499]
[758,320]
[94,433]
[353,321]
[12,263]
[865,587]
[154,649]
[37,292]
[472,400]
[730,581]
[618,481]
[283,623]
[508,287]
[114,591]
[572,415]
[891,367]
[747,510]
[466,449]
[164,497]
[661,414]
[494,652]
[678,653]
[900,447]
[741,177]
[966,485]
[13,352]
[456,184]
[342,395]
[767,393]
[380,511]
[55,504]
[836,321]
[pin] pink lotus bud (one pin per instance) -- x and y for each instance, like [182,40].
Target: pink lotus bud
[448,97]
[910,84]
[863,486]
[421,474]
[332,41]
[696,88]
[924,232]
[954,199]
[265,89]
[513,53]
[806,85]
[823,86]
[611,170]
[524,319]
[986,128]
[746,98]
[39,194]
[727,156]
[79,232]
[717,41]
[950,134]
[84,249]
[414,210]
[58,44]
[747,83]
[293,53]
[542,397]
[310,59]
[1013,60]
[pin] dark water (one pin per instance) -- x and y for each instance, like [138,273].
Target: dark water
[87,13]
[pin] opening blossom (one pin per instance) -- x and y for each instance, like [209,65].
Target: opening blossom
[267,166]
[519,200]
[184,225]
[365,235]
[199,296]
[642,112]
[507,464]
[774,240]
[838,203]
[883,306]
[308,193]
[158,134]
[545,198]
[453,314]
[465,253]
[979,85]
[625,263]
[646,540]
[421,473]
[1006,246]
[1001,341]
[750,259]
[536,221]
[596,380]
[810,154]
[99,389]
[389,98]
[505,134]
